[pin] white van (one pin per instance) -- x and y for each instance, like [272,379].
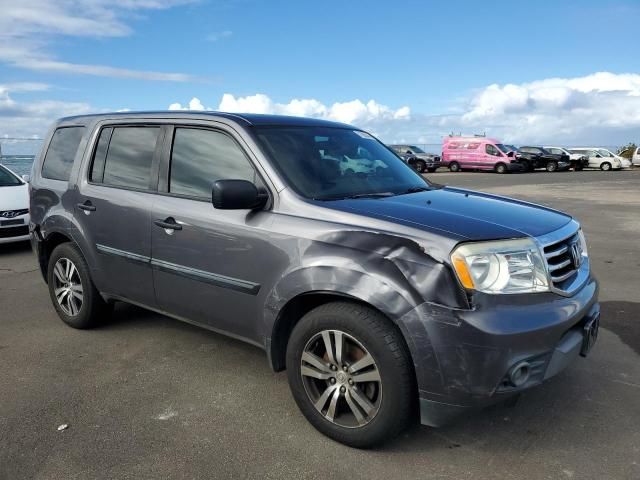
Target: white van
[602,158]
[636,157]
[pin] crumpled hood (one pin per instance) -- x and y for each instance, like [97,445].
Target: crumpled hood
[459,214]
[14,198]
[426,156]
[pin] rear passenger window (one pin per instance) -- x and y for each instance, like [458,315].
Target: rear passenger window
[201,157]
[61,153]
[124,159]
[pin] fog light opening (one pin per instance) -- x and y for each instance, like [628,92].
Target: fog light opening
[520,374]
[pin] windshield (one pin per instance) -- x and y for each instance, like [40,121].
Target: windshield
[8,179]
[605,153]
[334,163]
[416,149]
[503,148]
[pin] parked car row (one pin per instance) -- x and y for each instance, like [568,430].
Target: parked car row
[482,153]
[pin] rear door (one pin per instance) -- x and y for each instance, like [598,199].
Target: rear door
[114,208]
[210,266]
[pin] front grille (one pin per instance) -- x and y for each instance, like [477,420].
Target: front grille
[14,231]
[560,261]
[13,213]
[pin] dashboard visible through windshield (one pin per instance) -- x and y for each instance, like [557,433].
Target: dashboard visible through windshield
[334,163]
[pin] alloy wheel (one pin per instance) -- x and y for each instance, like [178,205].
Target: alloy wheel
[341,378]
[67,286]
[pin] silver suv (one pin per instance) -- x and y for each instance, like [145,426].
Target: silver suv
[385,297]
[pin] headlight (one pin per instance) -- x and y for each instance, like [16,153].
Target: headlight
[582,244]
[505,266]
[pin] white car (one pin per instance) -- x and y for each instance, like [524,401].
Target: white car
[602,158]
[636,157]
[14,207]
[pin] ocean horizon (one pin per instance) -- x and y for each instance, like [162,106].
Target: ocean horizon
[20,164]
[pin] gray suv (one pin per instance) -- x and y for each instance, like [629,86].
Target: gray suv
[385,297]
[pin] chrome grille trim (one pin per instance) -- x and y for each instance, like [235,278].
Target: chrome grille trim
[564,278]
[558,266]
[557,252]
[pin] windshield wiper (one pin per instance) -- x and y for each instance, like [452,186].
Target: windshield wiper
[414,190]
[372,195]
[358,195]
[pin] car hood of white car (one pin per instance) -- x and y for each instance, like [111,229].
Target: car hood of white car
[14,198]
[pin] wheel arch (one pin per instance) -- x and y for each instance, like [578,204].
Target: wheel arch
[298,306]
[47,245]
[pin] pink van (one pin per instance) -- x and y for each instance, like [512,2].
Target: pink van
[478,153]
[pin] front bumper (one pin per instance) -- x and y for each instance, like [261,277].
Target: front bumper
[515,166]
[14,229]
[463,358]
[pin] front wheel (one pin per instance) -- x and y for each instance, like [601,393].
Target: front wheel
[552,166]
[605,167]
[454,167]
[350,374]
[501,168]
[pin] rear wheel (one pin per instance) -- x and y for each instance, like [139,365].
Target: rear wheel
[350,374]
[501,168]
[72,291]
[552,166]
[605,166]
[454,167]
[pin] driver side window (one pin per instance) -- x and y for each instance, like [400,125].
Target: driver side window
[491,150]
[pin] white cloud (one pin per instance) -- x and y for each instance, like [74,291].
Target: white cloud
[27,27]
[215,36]
[354,111]
[30,119]
[194,104]
[598,108]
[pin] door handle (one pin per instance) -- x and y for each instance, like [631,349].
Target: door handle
[87,207]
[168,224]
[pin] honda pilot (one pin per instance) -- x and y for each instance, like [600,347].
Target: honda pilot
[386,298]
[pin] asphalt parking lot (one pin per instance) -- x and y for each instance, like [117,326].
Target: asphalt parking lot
[145,396]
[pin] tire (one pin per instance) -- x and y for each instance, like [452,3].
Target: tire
[388,401]
[420,166]
[605,167]
[81,306]
[501,168]
[552,167]
[454,167]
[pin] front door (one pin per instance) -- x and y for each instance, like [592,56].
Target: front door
[114,209]
[209,265]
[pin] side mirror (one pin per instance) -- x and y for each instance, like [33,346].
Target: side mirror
[510,154]
[598,155]
[26,178]
[237,195]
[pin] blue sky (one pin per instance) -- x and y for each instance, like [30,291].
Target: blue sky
[525,71]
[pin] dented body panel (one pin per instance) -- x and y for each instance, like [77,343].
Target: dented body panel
[243,268]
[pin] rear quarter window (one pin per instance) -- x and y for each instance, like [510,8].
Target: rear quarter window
[61,152]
